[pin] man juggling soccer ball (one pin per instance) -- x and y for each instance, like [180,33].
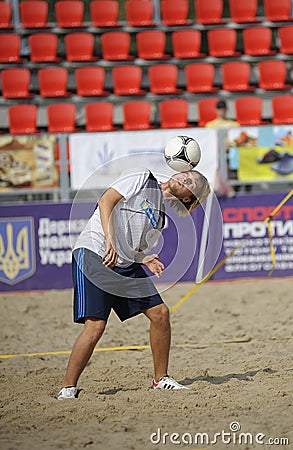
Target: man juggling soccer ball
[110,253]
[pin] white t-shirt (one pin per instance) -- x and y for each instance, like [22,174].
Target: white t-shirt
[137,219]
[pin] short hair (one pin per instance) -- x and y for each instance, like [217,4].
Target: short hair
[221,104]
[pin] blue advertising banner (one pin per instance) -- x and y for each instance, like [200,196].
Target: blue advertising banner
[36,242]
[35,246]
[243,218]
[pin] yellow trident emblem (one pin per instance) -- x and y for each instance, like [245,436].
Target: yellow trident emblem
[14,259]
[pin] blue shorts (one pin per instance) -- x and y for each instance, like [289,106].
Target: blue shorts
[98,289]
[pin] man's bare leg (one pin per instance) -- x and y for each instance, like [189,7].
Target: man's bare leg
[83,349]
[160,338]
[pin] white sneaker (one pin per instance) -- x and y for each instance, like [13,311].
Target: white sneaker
[167,382]
[69,392]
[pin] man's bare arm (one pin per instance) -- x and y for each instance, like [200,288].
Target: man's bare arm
[106,205]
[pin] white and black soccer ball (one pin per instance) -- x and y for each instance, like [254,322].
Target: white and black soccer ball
[182,153]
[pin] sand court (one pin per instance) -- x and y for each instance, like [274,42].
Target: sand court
[232,345]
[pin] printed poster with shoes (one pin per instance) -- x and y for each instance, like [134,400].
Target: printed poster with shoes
[263,153]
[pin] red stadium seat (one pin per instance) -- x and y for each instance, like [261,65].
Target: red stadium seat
[272,75]
[186,44]
[200,77]
[206,110]
[43,47]
[104,13]
[90,81]
[209,11]
[257,41]
[222,42]
[10,48]
[79,46]
[34,13]
[22,119]
[137,115]
[15,83]
[116,46]
[249,110]
[236,76]
[53,82]
[282,106]
[139,14]
[69,13]
[5,15]
[151,44]
[286,39]
[61,118]
[99,116]
[278,10]
[243,11]
[175,12]
[174,113]
[163,79]
[127,80]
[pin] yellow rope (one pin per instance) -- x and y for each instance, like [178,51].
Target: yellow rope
[271,247]
[217,267]
[124,347]
[279,206]
[270,231]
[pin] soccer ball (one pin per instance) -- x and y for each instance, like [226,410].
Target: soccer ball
[182,153]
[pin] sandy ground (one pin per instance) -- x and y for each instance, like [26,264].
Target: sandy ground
[232,346]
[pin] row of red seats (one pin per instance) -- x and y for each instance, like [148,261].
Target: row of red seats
[150,45]
[162,79]
[61,117]
[34,14]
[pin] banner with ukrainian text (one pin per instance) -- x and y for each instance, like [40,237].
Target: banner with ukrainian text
[243,222]
[35,245]
[36,242]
